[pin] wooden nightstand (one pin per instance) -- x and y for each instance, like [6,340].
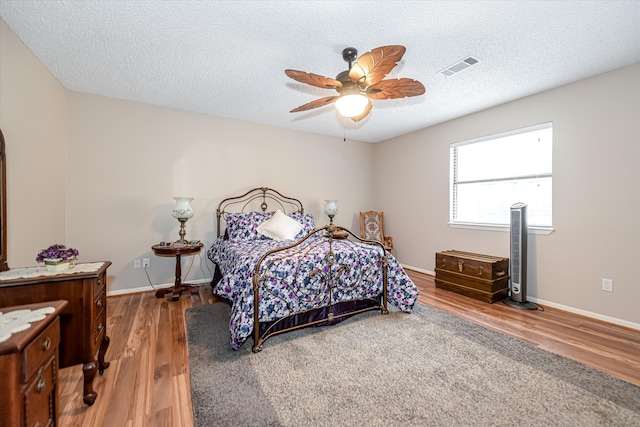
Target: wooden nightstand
[29,370]
[177,250]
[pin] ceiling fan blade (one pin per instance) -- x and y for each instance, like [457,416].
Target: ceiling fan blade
[371,67]
[313,79]
[364,114]
[395,88]
[315,104]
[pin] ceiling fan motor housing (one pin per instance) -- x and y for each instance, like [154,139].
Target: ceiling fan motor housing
[349,54]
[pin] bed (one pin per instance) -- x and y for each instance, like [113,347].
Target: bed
[280,272]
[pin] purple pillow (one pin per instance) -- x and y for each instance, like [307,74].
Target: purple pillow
[307,221]
[244,225]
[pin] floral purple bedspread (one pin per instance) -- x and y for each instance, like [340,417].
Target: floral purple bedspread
[296,279]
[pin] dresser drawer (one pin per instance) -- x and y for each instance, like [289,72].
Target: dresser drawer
[100,300]
[99,284]
[100,326]
[40,350]
[39,396]
[99,314]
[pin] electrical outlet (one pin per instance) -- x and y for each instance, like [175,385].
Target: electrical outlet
[136,263]
[607,285]
[145,262]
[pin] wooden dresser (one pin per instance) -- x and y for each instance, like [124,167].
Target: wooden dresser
[83,322]
[29,370]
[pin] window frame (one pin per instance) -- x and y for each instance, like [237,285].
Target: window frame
[535,229]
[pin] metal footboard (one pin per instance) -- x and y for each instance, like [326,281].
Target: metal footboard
[332,278]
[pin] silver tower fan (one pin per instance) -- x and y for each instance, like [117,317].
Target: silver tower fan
[518,259]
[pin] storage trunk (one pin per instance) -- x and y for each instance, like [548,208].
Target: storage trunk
[483,277]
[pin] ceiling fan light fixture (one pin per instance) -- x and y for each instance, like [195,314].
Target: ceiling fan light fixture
[352,105]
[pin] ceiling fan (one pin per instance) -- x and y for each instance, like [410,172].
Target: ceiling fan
[361,82]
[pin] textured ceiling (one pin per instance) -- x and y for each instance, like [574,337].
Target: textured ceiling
[227,58]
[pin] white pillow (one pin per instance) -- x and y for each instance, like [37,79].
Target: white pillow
[280,227]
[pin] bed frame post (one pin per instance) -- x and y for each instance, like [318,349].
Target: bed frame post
[385,270]
[257,341]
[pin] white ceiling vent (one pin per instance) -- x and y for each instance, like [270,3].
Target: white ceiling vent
[459,66]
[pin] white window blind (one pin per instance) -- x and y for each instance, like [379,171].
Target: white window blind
[490,174]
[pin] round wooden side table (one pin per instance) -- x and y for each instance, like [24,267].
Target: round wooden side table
[177,250]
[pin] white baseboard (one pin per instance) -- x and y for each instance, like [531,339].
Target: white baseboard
[419,270]
[585,313]
[152,288]
[562,307]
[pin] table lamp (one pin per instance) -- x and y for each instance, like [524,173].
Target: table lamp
[182,211]
[331,209]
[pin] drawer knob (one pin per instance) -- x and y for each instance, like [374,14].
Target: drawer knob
[41,384]
[99,302]
[38,425]
[100,327]
[480,271]
[46,344]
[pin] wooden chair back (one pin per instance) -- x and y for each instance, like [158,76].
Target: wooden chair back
[372,228]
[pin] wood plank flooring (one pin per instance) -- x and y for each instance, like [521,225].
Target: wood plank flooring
[147,383]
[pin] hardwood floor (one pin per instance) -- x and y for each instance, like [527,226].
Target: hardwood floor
[147,383]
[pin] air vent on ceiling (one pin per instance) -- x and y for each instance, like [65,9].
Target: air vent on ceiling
[459,66]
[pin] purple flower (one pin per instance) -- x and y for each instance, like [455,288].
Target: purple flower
[57,251]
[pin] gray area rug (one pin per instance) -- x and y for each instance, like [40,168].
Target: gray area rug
[428,368]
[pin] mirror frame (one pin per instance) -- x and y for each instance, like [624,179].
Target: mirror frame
[3,206]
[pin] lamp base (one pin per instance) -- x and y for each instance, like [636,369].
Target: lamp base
[181,241]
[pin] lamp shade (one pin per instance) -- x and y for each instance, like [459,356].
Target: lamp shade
[352,105]
[331,208]
[182,209]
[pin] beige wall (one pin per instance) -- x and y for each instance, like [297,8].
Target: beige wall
[127,160]
[33,118]
[596,202]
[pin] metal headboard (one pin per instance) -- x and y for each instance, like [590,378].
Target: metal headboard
[263,195]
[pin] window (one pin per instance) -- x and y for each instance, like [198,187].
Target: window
[490,174]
